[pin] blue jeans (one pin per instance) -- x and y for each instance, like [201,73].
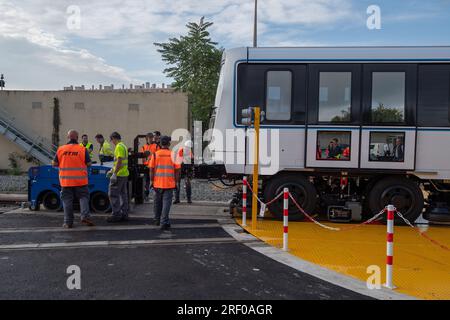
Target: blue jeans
[161,205]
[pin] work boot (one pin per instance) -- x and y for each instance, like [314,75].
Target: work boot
[113,219]
[88,222]
[156,222]
[125,219]
[165,227]
[176,202]
[189,201]
[68,225]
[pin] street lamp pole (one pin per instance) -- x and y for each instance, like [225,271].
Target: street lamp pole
[255,27]
[2,82]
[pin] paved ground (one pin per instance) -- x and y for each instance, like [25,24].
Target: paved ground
[198,259]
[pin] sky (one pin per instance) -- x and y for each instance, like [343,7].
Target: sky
[47,44]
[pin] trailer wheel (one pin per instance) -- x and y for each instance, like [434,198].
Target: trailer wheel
[99,202]
[51,201]
[405,194]
[302,190]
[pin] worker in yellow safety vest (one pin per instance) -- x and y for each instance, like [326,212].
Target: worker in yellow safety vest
[88,145]
[106,153]
[118,183]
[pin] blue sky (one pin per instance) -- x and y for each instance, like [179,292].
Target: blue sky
[114,41]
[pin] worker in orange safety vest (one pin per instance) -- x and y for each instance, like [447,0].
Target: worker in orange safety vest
[73,161]
[164,173]
[185,158]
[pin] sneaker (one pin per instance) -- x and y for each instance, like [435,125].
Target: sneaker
[68,225]
[165,227]
[156,222]
[88,222]
[113,219]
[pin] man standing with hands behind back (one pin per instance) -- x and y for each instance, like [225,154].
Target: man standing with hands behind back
[164,172]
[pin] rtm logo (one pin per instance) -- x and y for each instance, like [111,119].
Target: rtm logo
[74,280]
[70,153]
[374,280]
[374,19]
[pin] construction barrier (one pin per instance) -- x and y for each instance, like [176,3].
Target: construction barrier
[390,246]
[244,202]
[285,218]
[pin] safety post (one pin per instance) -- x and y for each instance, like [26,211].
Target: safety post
[257,119]
[285,218]
[244,202]
[390,247]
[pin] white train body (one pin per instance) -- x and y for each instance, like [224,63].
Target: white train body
[388,108]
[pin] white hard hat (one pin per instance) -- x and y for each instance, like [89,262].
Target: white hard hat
[188,144]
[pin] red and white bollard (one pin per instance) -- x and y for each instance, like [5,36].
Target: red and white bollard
[285,218]
[244,202]
[390,247]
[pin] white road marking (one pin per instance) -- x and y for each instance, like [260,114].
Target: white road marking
[31,246]
[105,228]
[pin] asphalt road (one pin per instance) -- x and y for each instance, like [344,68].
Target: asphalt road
[197,259]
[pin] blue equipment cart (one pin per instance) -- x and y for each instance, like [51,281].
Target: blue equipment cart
[44,188]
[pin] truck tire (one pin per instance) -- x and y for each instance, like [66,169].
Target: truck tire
[51,201]
[303,191]
[99,202]
[405,194]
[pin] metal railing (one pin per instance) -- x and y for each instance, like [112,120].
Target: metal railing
[33,144]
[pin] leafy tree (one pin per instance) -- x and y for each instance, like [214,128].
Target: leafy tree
[344,117]
[383,114]
[194,63]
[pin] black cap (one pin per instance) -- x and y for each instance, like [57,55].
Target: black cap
[157,133]
[165,141]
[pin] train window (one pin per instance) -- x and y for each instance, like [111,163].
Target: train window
[388,97]
[335,96]
[333,145]
[434,96]
[279,95]
[387,146]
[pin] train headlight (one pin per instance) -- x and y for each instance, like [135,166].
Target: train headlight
[247,117]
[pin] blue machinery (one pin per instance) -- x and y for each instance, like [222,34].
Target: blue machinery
[44,188]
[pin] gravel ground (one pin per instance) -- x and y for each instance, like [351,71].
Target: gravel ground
[201,190]
[16,184]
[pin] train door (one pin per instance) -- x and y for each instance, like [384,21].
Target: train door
[334,115]
[388,134]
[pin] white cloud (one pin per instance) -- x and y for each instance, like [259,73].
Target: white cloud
[127,30]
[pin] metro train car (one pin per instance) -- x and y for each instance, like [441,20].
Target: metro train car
[358,127]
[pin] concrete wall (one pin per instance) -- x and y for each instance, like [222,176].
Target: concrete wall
[103,112]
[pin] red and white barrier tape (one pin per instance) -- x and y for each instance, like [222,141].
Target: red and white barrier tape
[422,233]
[244,202]
[259,200]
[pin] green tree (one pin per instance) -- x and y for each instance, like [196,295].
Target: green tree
[383,114]
[194,63]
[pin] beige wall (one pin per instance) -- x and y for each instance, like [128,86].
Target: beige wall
[104,112]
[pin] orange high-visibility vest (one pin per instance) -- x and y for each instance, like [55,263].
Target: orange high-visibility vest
[154,147]
[180,155]
[164,169]
[72,165]
[147,147]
